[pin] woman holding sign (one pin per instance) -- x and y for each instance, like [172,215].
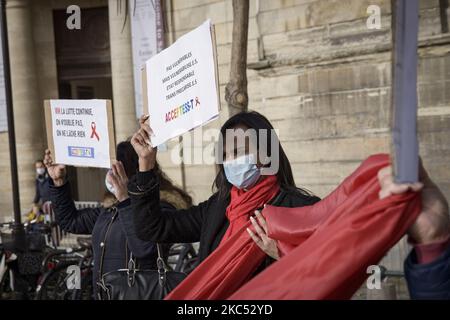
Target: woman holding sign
[241,189]
[222,226]
[112,228]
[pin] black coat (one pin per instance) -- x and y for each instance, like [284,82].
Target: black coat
[95,222]
[205,222]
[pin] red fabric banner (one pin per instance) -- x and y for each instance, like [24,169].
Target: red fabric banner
[243,204]
[326,247]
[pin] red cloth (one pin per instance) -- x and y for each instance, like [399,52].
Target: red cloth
[326,247]
[228,267]
[329,246]
[243,203]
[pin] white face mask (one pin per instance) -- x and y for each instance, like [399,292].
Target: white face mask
[242,172]
[40,171]
[109,186]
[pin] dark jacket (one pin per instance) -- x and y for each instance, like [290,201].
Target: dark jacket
[205,222]
[430,280]
[95,222]
[42,194]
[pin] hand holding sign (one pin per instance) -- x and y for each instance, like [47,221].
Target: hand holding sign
[80,132]
[142,144]
[180,85]
[56,171]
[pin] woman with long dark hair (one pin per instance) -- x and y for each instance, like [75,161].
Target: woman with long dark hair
[241,189]
[112,228]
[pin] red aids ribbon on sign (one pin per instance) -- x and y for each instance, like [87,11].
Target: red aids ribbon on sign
[94,133]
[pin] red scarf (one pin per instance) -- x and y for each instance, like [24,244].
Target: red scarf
[214,280]
[244,203]
[329,246]
[326,247]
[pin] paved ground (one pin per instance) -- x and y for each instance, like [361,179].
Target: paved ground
[393,287]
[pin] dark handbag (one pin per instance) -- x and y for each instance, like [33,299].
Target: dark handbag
[132,283]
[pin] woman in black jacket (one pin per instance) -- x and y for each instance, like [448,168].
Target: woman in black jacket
[217,218]
[427,268]
[121,239]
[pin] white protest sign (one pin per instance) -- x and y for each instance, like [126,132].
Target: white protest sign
[181,85]
[80,132]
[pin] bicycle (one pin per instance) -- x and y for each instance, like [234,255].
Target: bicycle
[21,264]
[19,267]
[58,269]
[182,257]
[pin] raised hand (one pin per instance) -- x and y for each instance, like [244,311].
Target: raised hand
[142,144]
[119,180]
[56,171]
[433,223]
[266,244]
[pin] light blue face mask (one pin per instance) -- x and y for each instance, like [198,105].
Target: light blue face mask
[242,172]
[108,185]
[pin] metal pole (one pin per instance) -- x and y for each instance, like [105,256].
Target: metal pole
[405,148]
[17,226]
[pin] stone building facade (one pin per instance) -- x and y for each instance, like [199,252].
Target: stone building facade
[315,70]
[323,79]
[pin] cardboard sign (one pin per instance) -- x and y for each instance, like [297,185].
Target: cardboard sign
[181,90]
[80,132]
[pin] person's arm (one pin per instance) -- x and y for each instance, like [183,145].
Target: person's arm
[427,268]
[156,223]
[427,271]
[37,195]
[430,252]
[138,247]
[67,216]
[151,221]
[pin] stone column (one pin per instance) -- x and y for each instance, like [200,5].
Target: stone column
[28,109]
[122,70]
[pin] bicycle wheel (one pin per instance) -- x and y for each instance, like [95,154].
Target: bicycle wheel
[5,290]
[184,257]
[86,291]
[53,284]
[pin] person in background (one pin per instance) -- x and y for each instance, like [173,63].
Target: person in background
[118,218]
[42,194]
